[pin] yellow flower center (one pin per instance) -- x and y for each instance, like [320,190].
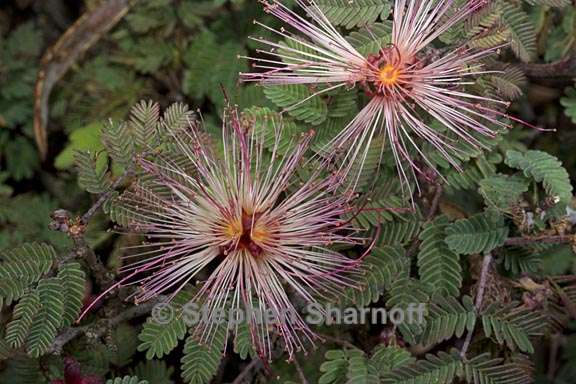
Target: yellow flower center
[389,75]
[248,232]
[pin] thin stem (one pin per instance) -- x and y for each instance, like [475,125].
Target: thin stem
[99,328]
[479,299]
[435,202]
[561,239]
[254,364]
[300,371]
[106,195]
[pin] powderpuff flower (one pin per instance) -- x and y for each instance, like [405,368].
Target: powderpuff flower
[408,86]
[241,225]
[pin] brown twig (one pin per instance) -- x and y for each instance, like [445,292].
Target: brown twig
[435,202]
[59,58]
[563,68]
[254,364]
[555,344]
[99,328]
[479,299]
[300,371]
[560,239]
[106,195]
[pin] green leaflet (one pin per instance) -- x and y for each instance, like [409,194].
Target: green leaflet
[159,339]
[512,325]
[480,233]
[569,103]
[200,361]
[23,266]
[439,266]
[543,168]
[49,318]
[289,97]
[503,191]
[154,371]
[447,318]
[73,279]
[355,14]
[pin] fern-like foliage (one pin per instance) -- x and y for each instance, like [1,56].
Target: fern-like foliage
[21,267]
[22,370]
[119,142]
[447,317]
[381,269]
[569,103]
[159,339]
[521,260]
[176,117]
[43,309]
[509,82]
[512,325]
[5,350]
[472,173]
[389,358]
[521,30]
[440,368]
[380,210]
[404,293]
[354,14]
[22,319]
[503,191]
[143,120]
[480,233]
[336,367]
[91,177]
[200,362]
[370,40]
[49,318]
[273,129]
[399,232]
[313,111]
[483,369]
[154,371]
[243,345]
[438,266]
[550,3]
[543,168]
[73,278]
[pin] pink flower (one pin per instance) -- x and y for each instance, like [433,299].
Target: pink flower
[406,85]
[245,221]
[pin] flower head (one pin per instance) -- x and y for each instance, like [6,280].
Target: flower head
[258,237]
[407,84]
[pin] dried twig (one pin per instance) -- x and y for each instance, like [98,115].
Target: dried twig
[106,195]
[479,299]
[563,68]
[99,328]
[58,59]
[300,371]
[560,239]
[255,364]
[435,202]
